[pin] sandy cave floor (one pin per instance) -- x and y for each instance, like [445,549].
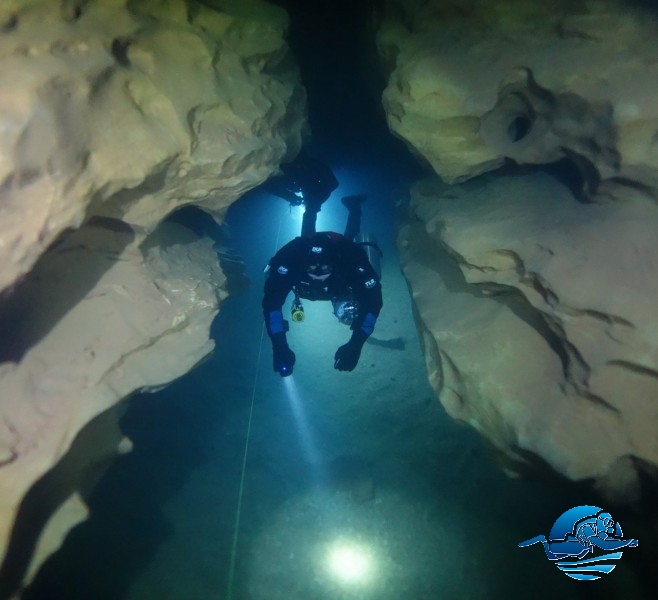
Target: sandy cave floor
[378,466]
[381,467]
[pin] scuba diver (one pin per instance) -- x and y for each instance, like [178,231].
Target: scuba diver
[305,181]
[323,266]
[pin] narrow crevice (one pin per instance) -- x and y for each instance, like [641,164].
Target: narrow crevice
[635,368]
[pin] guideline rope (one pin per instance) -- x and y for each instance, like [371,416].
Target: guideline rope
[238,512]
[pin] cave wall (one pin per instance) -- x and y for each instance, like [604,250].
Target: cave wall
[535,295]
[475,82]
[534,300]
[113,114]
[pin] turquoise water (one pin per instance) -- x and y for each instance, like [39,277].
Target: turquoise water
[243,487]
[240,488]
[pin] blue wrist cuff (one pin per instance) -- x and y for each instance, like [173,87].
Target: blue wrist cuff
[368,325]
[275,323]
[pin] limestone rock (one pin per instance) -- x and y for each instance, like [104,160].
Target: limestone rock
[113,114]
[540,325]
[474,83]
[99,318]
[131,109]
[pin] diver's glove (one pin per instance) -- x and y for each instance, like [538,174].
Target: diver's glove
[347,356]
[283,358]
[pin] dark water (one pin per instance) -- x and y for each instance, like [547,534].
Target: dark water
[239,485]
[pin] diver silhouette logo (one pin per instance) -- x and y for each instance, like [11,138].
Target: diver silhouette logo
[575,534]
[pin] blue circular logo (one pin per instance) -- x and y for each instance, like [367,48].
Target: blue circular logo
[576,537]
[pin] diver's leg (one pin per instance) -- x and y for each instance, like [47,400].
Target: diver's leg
[308,221]
[353,225]
[353,205]
[312,206]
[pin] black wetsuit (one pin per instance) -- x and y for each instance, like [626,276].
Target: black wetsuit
[353,277]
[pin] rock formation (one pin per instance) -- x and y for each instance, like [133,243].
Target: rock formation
[476,82]
[536,302]
[113,114]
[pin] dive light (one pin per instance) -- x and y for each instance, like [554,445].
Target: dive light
[297,311]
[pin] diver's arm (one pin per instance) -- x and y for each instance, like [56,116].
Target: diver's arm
[283,358]
[278,285]
[368,294]
[283,187]
[370,303]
